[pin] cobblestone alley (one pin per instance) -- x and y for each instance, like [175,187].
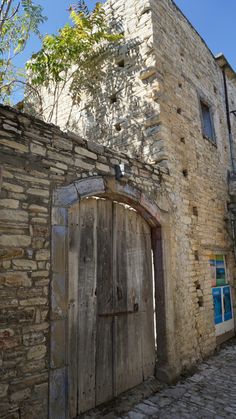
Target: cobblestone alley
[209,393]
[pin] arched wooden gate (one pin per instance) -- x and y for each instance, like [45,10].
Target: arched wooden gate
[111,324]
[101,318]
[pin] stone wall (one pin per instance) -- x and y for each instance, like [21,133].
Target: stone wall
[157,116]
[35,159]
[231,86]
[198,169]
[148,106]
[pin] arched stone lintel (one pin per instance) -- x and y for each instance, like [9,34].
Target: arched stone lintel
[66,196]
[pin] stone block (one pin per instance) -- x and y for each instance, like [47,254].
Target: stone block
[81,164]
[85,153]
[96,148]
[62,143]
[129,191]
[37,301]
[15,279]
[32,367]
[40,231]
[36,352]
[22,316]
[90,186]
[10,253]
[65,196]
[9,342]
[147,73]
[37,149]
[15,240]
[57,156]
[103,168]
[21,395]
[12,187]
[9,203]
[44,193]
[13,215]
[37,177]
[24,264]
[21,148]
[33,338]
[38,209]
[41,391]
[10,127]
[42,254]
[3,390]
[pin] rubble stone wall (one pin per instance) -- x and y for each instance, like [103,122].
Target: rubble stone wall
[35,159]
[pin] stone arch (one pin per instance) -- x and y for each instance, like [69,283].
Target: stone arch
[63,199]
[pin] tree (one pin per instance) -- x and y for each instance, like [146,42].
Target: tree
[70,55]
[18,20]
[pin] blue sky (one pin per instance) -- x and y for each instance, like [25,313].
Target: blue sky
[213,19]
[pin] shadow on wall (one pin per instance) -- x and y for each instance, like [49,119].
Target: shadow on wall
[118,104]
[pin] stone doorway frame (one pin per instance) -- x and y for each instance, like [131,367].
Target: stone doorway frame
[63,199]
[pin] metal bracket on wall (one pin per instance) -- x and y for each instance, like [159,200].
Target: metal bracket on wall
[122,171]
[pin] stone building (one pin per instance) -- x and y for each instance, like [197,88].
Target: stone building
[143,189]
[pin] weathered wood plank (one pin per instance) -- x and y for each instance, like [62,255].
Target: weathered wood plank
[104,344]
[104,257]
[127,340]
[104,360]
[128,352]
[119,258]
[87,305]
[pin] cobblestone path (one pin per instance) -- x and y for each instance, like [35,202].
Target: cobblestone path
[209,393]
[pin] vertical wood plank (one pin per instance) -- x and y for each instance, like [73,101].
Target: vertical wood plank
[104,344]
[74,247]
[134,297]
[87,305]
[120,299]
[120,258]
[127,341]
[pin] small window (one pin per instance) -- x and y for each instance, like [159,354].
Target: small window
[207,123]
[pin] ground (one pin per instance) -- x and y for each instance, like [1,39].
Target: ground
[209,393]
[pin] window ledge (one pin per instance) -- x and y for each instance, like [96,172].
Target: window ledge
[211,140]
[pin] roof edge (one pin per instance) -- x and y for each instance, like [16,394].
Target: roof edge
[224,64]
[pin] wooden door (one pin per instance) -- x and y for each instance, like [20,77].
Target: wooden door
[111,333]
